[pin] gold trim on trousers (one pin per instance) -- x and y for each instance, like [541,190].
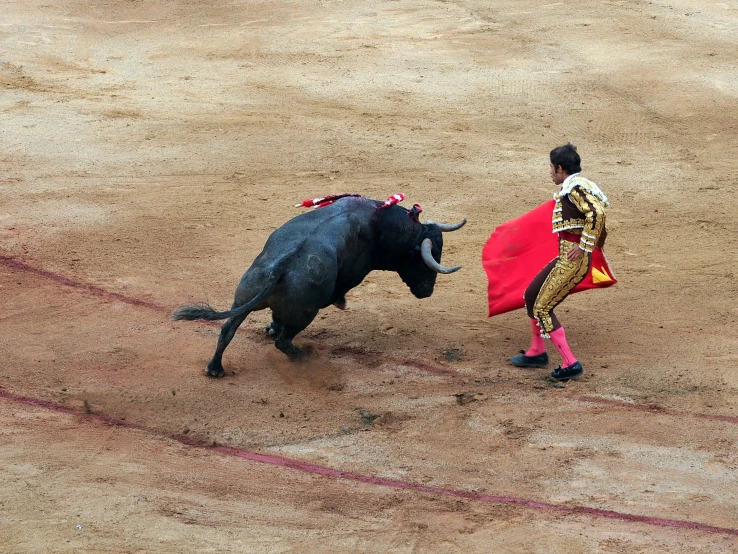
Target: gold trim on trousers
[553,284]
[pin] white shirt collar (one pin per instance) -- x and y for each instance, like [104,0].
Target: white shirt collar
[569,178]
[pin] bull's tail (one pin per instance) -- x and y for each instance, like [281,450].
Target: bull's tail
[205,311]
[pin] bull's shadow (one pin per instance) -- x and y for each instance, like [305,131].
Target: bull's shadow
[314,259]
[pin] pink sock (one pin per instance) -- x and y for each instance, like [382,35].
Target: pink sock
[537,346]
[558,338]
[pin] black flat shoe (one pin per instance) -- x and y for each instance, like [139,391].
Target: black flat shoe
[568,372]
[521,360]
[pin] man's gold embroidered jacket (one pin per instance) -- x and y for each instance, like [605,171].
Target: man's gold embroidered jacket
[580,209]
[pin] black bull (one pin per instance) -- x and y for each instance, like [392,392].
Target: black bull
[314,259]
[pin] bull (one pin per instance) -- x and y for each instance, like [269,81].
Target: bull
[314,259]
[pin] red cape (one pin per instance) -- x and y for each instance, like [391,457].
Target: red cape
[517,250]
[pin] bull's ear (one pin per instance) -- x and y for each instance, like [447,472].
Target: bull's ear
[414,214]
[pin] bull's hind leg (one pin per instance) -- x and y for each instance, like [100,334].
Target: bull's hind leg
[215,367]
[289,332]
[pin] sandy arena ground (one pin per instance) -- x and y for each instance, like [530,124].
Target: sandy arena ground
[148,149]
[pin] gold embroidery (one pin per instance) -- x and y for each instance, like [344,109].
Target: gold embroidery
[577,180]
[593,211]
[591,202]
[562,279]
[568,224]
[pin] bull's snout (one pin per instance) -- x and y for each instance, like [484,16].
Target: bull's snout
[422,291]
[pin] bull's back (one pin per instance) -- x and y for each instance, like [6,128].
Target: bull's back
[337,228]
[317,254]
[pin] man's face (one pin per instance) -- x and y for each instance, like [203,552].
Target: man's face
[558,175]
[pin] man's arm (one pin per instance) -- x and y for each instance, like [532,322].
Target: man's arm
[594,216]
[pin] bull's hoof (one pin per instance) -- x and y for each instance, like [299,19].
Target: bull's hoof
[272,330]
[298,355]
[292,352]
[340,303]
[216,372]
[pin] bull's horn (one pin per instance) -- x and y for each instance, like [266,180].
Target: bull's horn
[425,252]
[447,228]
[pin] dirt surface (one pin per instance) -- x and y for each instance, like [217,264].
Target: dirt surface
[149,148]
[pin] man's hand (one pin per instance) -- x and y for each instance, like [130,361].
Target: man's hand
[574,253]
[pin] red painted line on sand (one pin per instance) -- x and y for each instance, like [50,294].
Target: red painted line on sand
[92,289]
[332,473]
[654,409]
[98,291]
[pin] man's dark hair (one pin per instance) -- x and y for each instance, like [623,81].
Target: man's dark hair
[566,156]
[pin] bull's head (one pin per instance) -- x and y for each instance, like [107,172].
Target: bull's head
[420,271]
